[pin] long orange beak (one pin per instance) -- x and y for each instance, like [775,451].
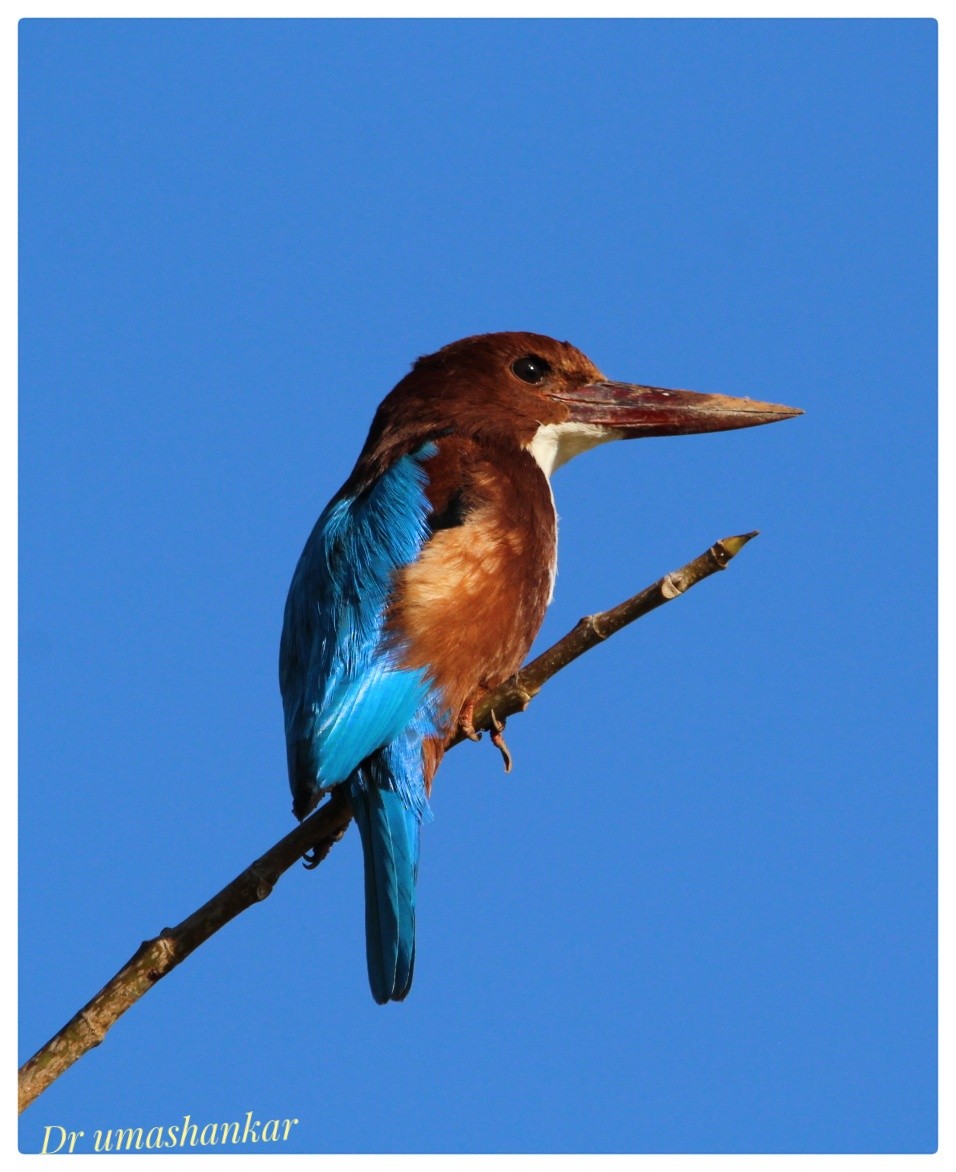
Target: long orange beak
[637,411]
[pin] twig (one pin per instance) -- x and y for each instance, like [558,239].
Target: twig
[322,829]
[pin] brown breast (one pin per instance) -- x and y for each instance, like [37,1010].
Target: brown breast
[469,608]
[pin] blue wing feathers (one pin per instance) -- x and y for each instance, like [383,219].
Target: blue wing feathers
[372,711]
[343,694]
[351,713]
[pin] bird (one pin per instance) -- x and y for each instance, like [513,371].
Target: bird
[426,579]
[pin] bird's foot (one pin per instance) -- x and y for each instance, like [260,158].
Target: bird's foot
[466,728]
[312,857]
[315,854]
[497,728]
[466,722]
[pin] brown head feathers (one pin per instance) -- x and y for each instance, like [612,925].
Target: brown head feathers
[494,386]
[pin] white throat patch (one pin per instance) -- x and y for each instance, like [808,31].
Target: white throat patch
[556,443]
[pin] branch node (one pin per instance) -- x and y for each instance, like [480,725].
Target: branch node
[591,623]
[672,586]
[263,882]
[96,1033]
[165,942]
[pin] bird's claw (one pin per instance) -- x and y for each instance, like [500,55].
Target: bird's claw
[497,728]
[466,728]
[314,855]
[466,722]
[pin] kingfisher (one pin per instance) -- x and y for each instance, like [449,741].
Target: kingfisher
[427,577]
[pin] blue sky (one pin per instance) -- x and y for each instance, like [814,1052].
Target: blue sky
[700,914]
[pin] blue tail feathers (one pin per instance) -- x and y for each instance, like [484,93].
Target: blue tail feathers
[390,842]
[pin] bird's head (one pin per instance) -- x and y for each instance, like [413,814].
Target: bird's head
[545,396]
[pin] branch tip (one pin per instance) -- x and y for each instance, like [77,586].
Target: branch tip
[733,545]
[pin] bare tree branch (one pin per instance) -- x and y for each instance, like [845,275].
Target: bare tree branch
[323,828]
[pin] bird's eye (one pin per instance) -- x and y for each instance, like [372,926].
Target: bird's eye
[531,369]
